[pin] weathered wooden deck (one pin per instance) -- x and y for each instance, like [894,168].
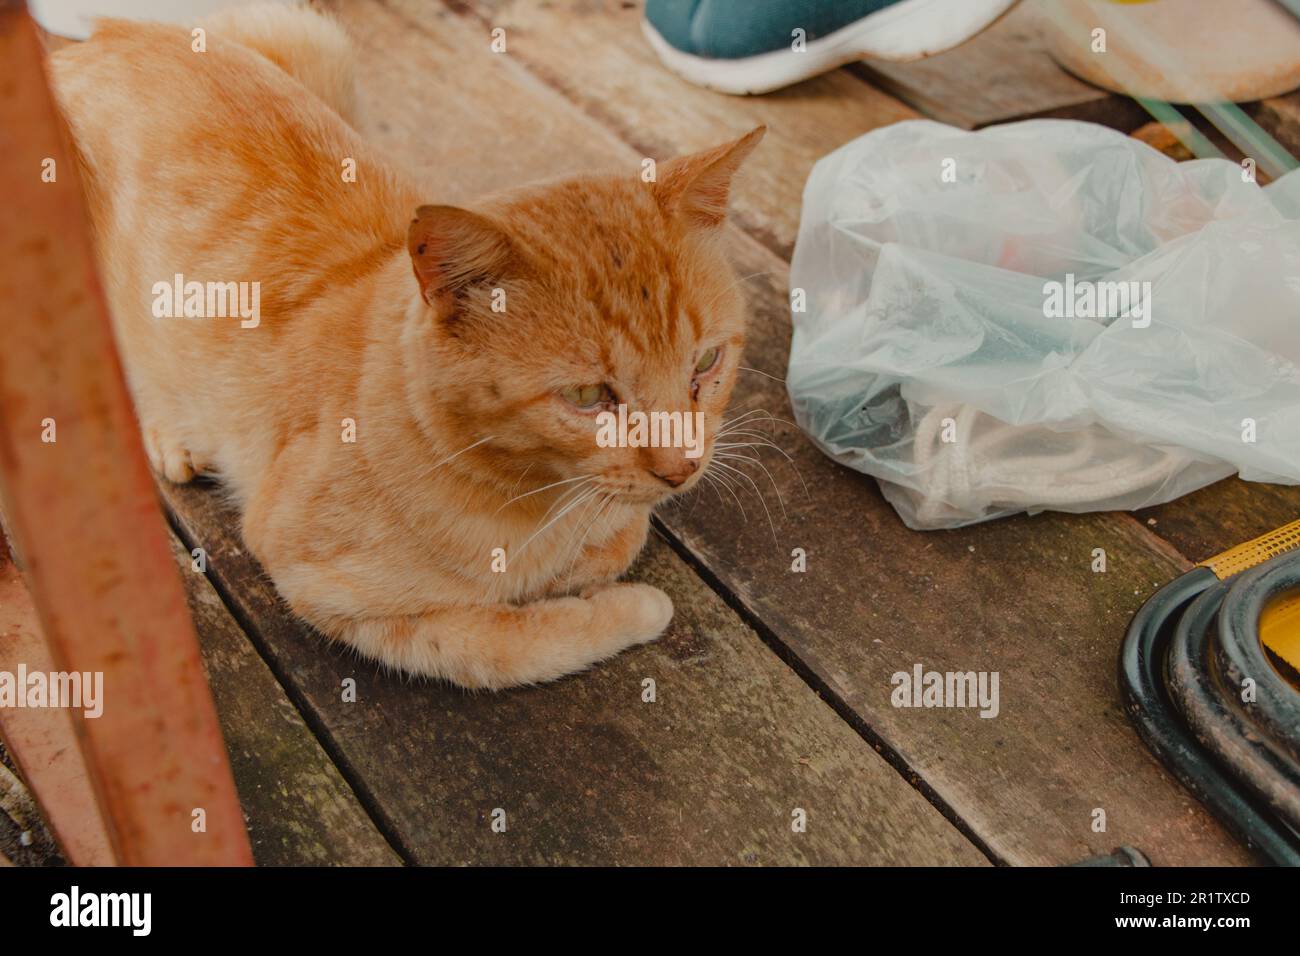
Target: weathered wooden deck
[772,687]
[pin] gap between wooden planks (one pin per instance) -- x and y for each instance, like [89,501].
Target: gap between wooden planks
[299,809]
[1017,595]
[585,769]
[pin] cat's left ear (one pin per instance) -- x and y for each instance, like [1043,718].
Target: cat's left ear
[453,249]
[697,186]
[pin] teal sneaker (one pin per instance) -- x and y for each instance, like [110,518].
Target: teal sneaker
[754,46]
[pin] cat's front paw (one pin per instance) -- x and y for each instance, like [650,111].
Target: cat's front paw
[636,612]
[170,459]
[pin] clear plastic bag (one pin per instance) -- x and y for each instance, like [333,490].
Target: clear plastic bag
[1044,315]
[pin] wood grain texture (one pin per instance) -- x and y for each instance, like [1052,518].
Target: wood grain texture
[1227,513]
[1002,74]
[585,770]
[595,55]
[299,809]
[1014,596]
[1017,596]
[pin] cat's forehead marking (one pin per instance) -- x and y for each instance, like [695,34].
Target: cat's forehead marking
[611,246]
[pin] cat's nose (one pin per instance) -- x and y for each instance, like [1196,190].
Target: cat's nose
[683,469]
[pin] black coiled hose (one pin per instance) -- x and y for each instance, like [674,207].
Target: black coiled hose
[1201,691]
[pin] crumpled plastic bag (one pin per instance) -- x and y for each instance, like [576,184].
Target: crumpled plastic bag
[936,350]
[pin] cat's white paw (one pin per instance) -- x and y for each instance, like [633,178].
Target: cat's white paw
[636,612]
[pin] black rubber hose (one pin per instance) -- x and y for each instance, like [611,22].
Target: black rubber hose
[1276,708]
[1142,685]
[1211,705]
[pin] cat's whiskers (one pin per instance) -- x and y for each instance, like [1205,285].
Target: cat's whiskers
[757,492]
[714,485]
[586,493]
[449,458]
[593,505]
[744,415]
[759,441]
[723,481]
[750,419]
[538,491]
[563,497]
[695,502]
[730,458]
[757,446]
[719,295]
[745,425]
[520,480]
[601,510]
[736,423]
[757,371]
[499,582]
[738,457]
[499,578]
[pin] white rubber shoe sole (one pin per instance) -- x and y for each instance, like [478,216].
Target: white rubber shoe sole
[905,31]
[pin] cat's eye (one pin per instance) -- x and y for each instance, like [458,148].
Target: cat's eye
[587,396]
[707,360]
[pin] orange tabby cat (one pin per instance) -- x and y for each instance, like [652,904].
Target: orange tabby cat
[405,400]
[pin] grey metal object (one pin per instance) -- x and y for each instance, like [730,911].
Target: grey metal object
[1120,856]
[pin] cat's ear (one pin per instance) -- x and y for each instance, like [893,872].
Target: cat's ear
[453,249]
[697,186]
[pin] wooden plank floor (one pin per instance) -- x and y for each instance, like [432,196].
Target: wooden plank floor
[586,770]
[772,687]
[298,808]
[1002,74]
[1015,596]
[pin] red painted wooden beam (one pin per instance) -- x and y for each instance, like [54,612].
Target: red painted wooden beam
[43,741]
[83,509]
